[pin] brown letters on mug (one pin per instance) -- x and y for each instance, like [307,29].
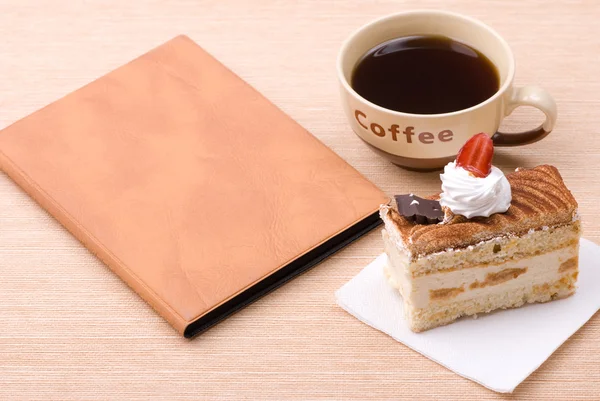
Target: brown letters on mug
[426,138]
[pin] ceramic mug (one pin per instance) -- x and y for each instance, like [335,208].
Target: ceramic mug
[430,141]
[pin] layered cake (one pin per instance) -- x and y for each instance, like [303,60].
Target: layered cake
[488,242]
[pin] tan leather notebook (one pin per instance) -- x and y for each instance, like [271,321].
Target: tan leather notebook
[190,185]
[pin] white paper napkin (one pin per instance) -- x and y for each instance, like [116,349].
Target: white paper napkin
[497,350]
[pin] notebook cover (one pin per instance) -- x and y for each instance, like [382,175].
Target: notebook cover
[190,185]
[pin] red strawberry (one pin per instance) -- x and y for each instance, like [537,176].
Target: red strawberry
[476,155]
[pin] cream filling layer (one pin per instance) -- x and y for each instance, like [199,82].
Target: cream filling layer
[477,281]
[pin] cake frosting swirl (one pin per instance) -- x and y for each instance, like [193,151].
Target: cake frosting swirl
[470,196]
[539,198]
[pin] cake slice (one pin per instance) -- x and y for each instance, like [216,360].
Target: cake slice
[463,267]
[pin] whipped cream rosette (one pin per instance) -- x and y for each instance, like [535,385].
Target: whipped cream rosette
[471,186]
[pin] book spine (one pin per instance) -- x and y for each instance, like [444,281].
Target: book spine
[90,242]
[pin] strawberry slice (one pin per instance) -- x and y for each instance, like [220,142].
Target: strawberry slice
[476,155]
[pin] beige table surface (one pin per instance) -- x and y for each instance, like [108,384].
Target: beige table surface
[71,330]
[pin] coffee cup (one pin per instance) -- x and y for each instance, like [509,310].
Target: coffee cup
[429,141]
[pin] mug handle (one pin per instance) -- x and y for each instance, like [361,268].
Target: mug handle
[528,96]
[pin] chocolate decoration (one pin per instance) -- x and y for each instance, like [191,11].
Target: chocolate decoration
[419,210]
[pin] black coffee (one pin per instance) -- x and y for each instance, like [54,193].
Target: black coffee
[425,75]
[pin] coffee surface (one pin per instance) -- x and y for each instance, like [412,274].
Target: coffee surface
[425,75]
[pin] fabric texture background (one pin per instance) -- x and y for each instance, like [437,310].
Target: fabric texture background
[71,330]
